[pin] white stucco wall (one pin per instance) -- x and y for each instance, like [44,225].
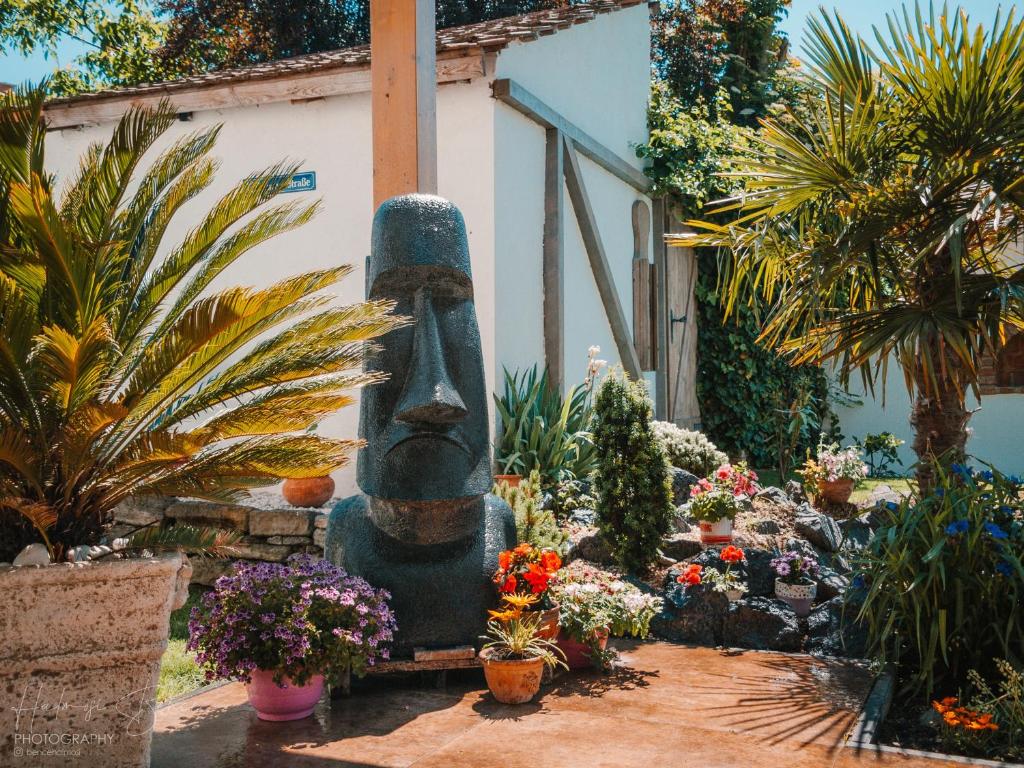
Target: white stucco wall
[597,76]
[332,137]
[997,426]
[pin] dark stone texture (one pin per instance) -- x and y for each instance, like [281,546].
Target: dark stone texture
[763,624]
[590,545]
[820,530]
[857,532]
[692,615]
[440,592]
[586,517]
[766,527]
[795,491]
[830,635]
[683,521]
[679,547]
[775,495]
[425,529]
[757,572]
[682,482]
[830,583]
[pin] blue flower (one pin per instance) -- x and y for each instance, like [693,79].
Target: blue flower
[963,470]
[995,531]
[892,506]
[986,475]
[1004,568]
[1015,480]
[957,527]
[1006,510]
[858,582]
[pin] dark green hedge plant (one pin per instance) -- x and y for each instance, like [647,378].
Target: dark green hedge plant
[632,484]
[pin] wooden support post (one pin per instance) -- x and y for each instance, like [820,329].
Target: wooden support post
[554,260]
[660,311]
[402,71]
[599,261]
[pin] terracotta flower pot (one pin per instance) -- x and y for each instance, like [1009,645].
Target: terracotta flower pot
[308,491]
[512,681]
[577,654]
[81,646]
[718,532]
[512,480]
[548,626]
[799,597]
[836,491]
[279,703]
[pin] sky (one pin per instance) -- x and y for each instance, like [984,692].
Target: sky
[861,15]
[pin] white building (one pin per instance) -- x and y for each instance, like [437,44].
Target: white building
[565,87]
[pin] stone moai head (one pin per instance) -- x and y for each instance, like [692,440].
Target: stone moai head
[426,427]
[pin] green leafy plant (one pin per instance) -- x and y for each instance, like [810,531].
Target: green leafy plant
[687,449]
[942,580]
[534,524]
[881,452]
[542,430]
[882,229]
[634,492]
[121,373]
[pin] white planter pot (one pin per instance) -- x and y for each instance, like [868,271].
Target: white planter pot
[80,658]
[800,597]
[716,533]
[734,594]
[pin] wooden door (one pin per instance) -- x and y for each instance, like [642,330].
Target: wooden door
[681,320]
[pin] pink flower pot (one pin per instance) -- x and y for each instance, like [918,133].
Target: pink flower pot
[577,654]
[292,702]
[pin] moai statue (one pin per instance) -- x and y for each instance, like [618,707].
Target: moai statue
[425,527]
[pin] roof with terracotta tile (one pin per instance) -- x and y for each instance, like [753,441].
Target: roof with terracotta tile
[486,36]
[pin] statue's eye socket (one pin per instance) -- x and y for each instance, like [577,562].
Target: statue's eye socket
[404,282]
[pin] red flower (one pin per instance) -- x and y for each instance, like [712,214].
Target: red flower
[731,554]
[504,560]
[550,561]
[537,578]
[509,585]
[691,576]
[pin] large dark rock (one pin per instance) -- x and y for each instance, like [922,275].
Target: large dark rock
[691,615]
[857,531]
[795,491]
[775,495]
[589,544]
[819,529]
[683,521]
[679,546]
[682,482]
[831,583]
[833,633]
[766,527]
[763,624]
[587,517]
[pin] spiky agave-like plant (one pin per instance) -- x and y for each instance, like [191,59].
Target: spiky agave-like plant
[121,373]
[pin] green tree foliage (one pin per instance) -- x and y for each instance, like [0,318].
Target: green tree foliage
[534,524]
[884,229]
[632,483]
[121,373]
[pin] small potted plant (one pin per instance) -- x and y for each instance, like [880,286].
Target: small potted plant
[716,500]
[284,629]
[834,471]
[794,583]
[528,570]
[515,652]
[594,606]
[728,582]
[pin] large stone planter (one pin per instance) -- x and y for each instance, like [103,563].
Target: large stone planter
[80,659]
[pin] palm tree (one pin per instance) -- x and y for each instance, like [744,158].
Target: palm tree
[121,373]
[882,227]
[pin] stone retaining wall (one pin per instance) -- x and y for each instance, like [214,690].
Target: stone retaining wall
[271,530]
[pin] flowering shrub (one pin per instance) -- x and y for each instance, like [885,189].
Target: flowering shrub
[727,580]
[299,619]
[833,463]
[527,570]
[795,567]
[723,493]
[688,450]
[944,579]
[592,600]
[692,576]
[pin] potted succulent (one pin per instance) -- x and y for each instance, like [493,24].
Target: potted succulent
[124,375]
[833,473]
[285,628]
[594,606]
[716,500]
[515,652]
[727,581]
[794,580]
[528,570]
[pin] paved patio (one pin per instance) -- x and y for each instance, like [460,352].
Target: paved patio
[669,705]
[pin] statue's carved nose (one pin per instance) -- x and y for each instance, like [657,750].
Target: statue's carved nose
[429,396]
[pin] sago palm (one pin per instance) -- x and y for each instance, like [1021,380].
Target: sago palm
[121,373]
[882,228]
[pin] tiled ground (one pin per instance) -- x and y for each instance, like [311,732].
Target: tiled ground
[668,706]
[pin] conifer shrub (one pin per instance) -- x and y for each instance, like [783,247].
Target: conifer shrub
[632,481]
[534,524]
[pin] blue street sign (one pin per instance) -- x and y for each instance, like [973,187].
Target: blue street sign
[304,181]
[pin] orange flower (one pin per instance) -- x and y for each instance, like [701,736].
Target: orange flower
[509,585]
[537,577]
[691,576]
[523,550]
[732,554]
[504,560]
[550,561]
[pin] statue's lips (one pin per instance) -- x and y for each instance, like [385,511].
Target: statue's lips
[427,436]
